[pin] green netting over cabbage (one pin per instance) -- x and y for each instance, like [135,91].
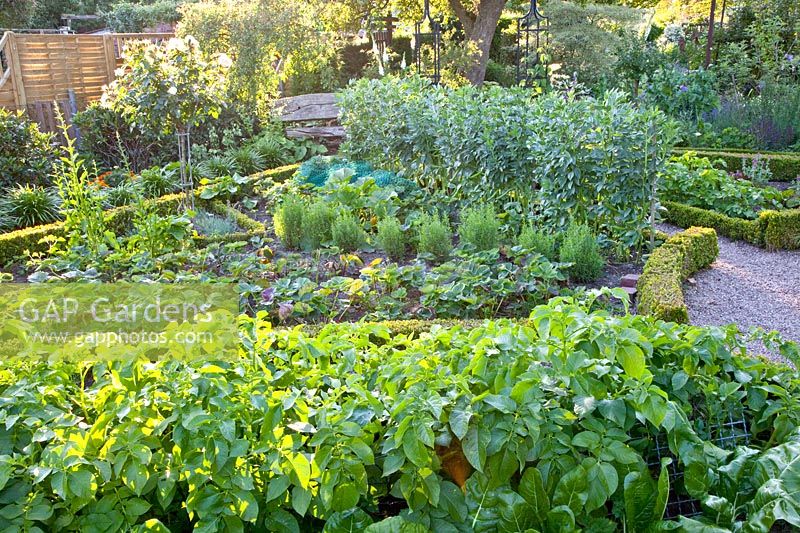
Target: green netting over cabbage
[317,171]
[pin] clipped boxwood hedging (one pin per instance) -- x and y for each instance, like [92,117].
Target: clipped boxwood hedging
[774,230]
[660,288]
[784,167]
[403,327]
[276,175]
[18,243]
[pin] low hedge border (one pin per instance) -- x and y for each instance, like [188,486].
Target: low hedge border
[18,243]
[405,327]
[660,287]
[784,166]
[774,230]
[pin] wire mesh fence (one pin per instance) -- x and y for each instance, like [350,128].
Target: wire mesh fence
[726,432]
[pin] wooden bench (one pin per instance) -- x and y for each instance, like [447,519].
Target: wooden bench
[311,116]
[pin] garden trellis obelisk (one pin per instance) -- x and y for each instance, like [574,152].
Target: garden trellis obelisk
[427,46]
[531,35]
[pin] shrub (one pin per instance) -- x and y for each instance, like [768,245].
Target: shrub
[782,229]
[682,93]
[28,205]
[127,17]
[435,237]
[580,248]
[107,138]
[480,227]
[683,254]
[317,222]
[536,240]
[391,238]
[26,154]
[347,233]
[288,221]
[158,181]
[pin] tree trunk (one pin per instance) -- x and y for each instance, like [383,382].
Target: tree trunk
[479,28]
[710,39]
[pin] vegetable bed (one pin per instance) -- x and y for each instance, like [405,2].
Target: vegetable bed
[567,422]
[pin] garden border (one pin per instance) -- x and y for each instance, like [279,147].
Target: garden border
[785,166]
[660,286]
[773,230]
[18,243]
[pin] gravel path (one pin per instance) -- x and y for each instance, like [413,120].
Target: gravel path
[748,286]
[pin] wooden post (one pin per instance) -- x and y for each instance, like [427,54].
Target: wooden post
[111,58]
[12,56]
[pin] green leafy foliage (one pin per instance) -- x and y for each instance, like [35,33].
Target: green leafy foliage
[695,181]
[434,237]
[28,205]
[680,92]
[155,182]
[26,154]
[580,247]
[538,240]
[556,418]
[480,228]
[585,159]
[288,221]
[108,138]
[347,233]
[391,238]
[128,17]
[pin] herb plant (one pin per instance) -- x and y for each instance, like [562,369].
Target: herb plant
[480,228]
[347,233]
[288,221]
[580,248]
[391,238]
[435,239]
[537,240]
[317,222]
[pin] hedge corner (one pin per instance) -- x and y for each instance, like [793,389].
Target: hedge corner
[660,285]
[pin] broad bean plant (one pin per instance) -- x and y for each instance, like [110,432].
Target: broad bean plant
[561,157]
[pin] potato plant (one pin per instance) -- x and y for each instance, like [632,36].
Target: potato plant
[542,425]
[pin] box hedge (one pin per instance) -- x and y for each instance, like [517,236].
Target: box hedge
[784,166]
[660,290]
[774,230]
[19,243]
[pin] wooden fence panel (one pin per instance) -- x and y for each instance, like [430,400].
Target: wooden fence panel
[37,70]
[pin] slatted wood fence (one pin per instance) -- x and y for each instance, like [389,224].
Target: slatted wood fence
[37,70]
